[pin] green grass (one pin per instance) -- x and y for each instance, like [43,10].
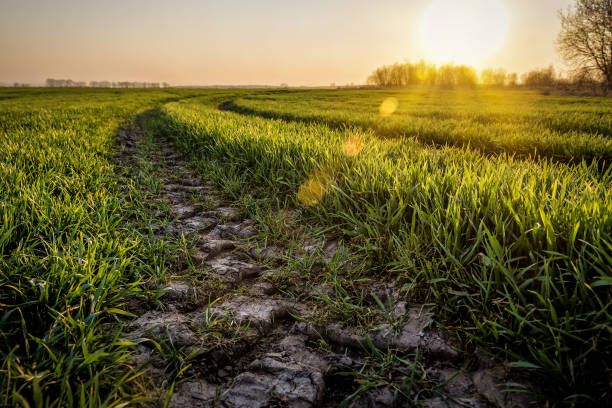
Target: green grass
[519,251]
[445,199]
[515,122]
[69,257]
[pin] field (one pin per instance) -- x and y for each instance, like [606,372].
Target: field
[491,208]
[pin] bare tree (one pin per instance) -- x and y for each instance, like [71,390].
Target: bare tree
[493,77]
[512,79]
[585,40]
[539,78]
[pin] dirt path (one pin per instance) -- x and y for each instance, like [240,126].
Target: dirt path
[243,343]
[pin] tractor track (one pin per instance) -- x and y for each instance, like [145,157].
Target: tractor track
[265,351]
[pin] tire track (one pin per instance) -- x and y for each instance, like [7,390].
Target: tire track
[264,353]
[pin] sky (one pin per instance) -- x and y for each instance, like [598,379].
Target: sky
[267,42]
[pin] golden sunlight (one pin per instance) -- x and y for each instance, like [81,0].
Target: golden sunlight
[464,32]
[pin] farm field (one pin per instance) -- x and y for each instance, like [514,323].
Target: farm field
[519,123]
[489,210]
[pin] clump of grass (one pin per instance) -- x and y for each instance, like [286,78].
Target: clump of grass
[403,375]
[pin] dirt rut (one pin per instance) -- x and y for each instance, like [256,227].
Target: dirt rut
[265,350]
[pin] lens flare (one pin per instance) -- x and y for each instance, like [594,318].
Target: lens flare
[313,189]
[352,146]
[310,192]
[388,106]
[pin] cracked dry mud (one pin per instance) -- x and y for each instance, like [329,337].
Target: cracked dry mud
[276,361]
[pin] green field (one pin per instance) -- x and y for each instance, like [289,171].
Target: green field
[495,206]
[518,123]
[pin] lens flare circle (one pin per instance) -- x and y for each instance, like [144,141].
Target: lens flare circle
[314,188]
[388,106]
[352,146]
[465,32]
[311,192]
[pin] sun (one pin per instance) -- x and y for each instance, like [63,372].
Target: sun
[464,31]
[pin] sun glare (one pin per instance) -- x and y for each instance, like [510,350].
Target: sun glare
[463,31]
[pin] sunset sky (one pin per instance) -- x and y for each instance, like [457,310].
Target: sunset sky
[264,42]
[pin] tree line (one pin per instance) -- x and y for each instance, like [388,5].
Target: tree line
[444,76]
[585,43]
[51,82]
[461,76]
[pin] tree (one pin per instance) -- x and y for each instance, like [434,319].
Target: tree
[446,76]
[422,73]
[493,77]
[512,79]
[465,76]
[486,76]
[539,78]
[585,40]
